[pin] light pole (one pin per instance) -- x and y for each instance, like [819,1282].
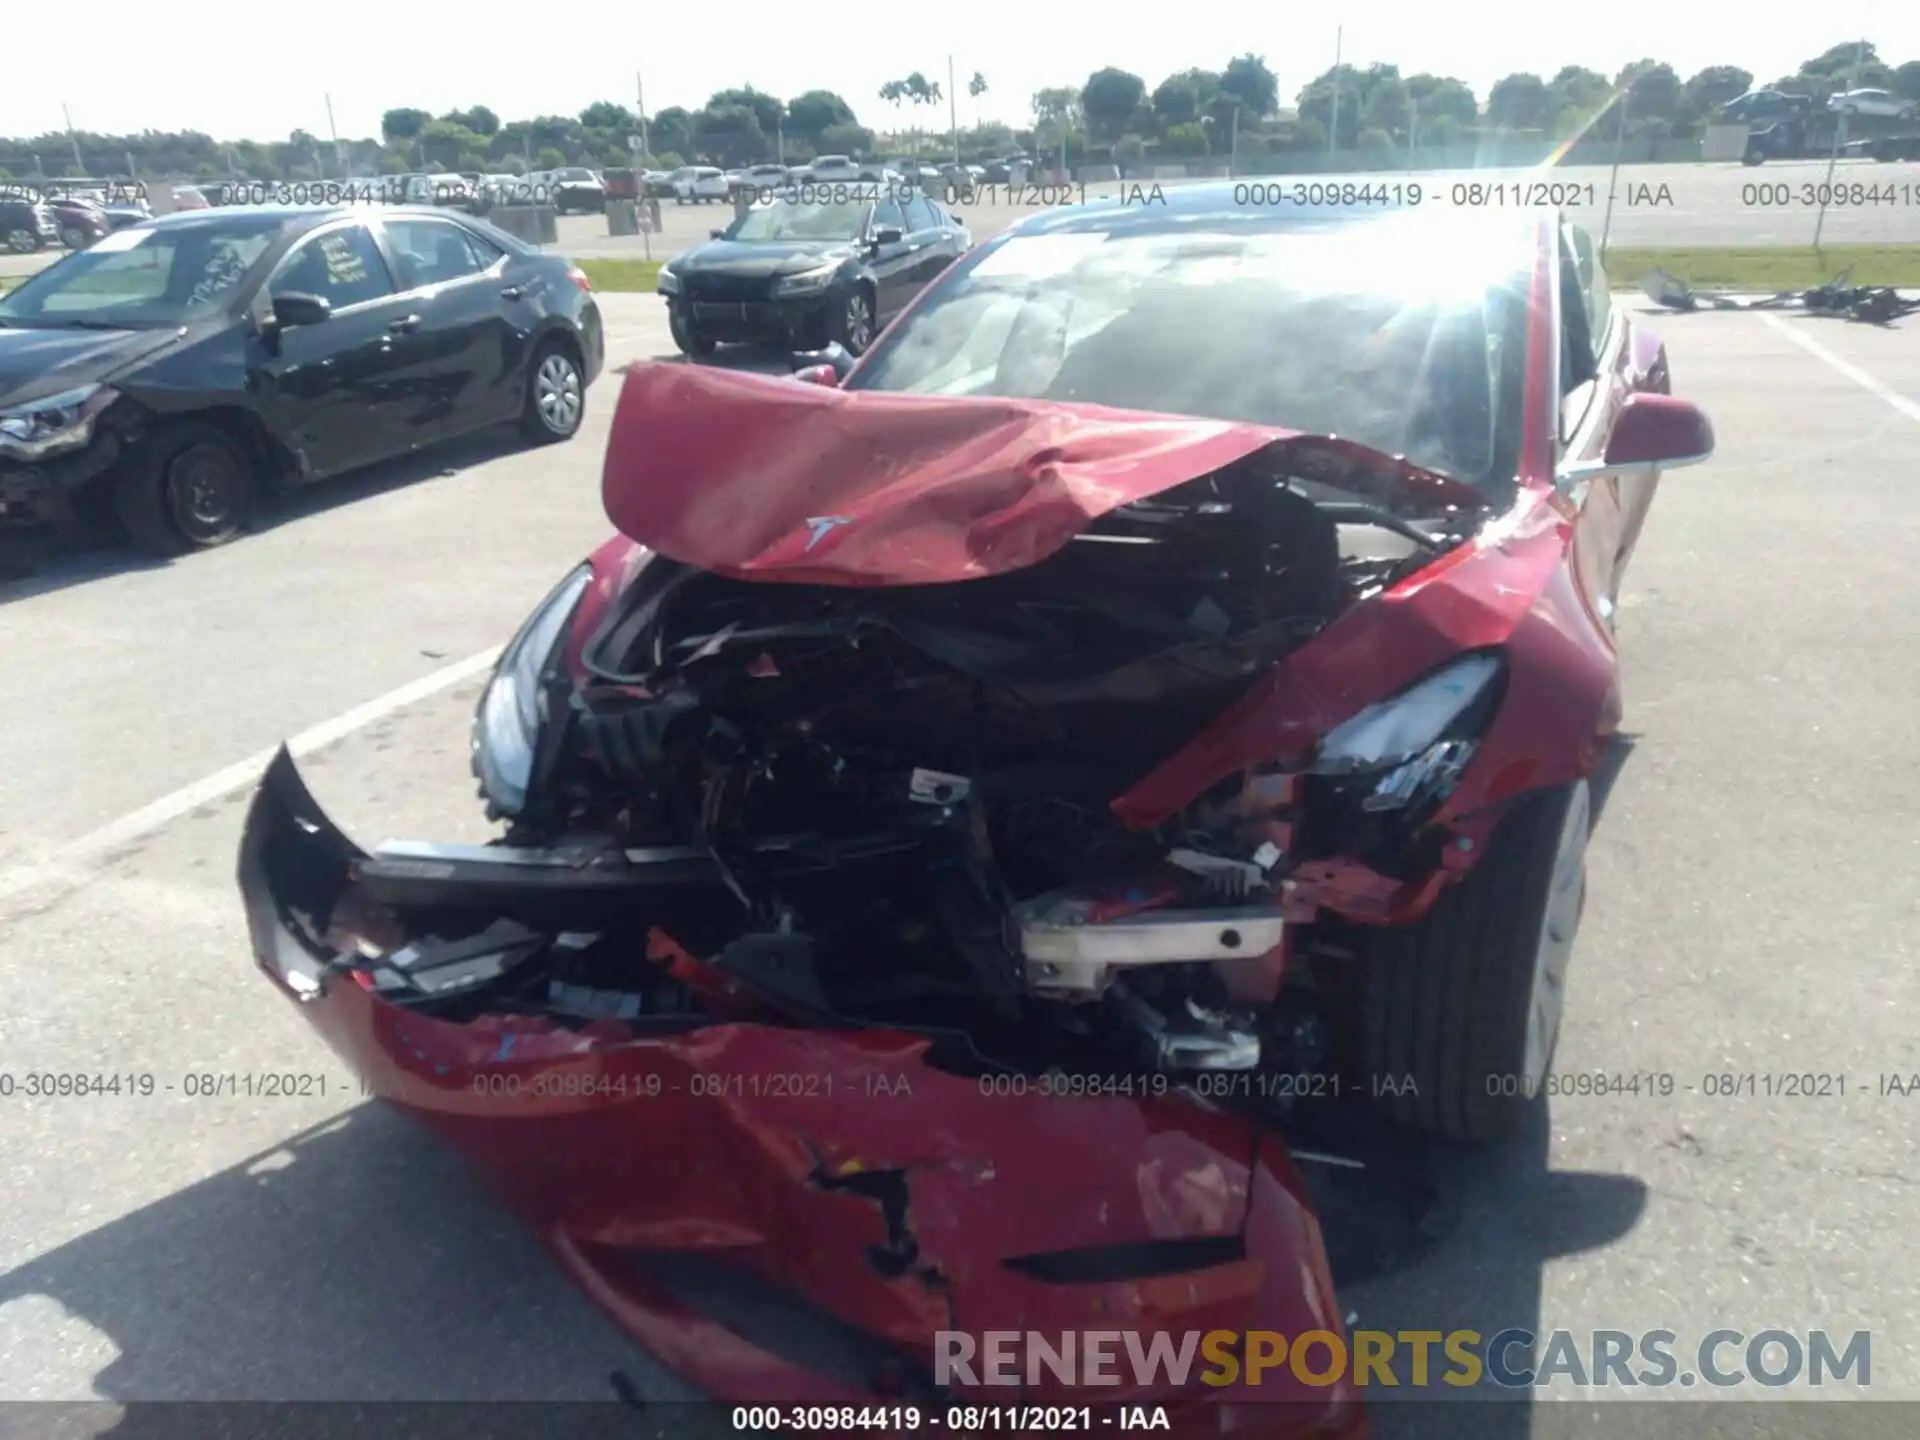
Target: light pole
[1839,139]
[1333,130]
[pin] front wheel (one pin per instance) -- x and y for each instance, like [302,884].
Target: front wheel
[190,486]
[853,321]
[22,241]
[1460,1011]
[694,344]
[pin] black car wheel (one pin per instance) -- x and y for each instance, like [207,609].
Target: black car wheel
[853,322]
[686,335]
[190,487]
[1460,1011]
[556,395]
[75,239]
[22,242]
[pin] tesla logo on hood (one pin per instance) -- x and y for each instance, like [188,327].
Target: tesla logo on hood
[821,526]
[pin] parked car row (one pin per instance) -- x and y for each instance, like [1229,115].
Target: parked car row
[171,376]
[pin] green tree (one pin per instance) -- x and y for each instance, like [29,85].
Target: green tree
[1905,81]
[1654,87]
[809,114]
[976,87]
[1109,99]
[1709,89]
[479,119]
[731,134]
[605,115]
[1438,97]
[1248,82]
[1181,99]
[768,113]
[1518,102]
[404,124]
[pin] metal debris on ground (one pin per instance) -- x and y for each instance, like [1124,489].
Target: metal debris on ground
[1870,304]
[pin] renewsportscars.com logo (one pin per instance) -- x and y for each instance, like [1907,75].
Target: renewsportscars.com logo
[1514,1358]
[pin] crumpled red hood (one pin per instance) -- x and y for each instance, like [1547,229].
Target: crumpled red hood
[764,478]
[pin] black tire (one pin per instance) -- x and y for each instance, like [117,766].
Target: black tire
[853,323]
[556,394]
[1446,1002]
[189,486]
[692,342]
[21,241]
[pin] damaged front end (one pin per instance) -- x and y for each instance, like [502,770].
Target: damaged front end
[914,912]
[781,1206]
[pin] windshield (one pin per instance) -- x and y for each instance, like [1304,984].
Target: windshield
[801,220]
[575,174]
[144,277]
[1378,332]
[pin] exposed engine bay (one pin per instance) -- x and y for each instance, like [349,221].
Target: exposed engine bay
[889,805]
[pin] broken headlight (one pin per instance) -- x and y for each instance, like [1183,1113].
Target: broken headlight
[506,725]
[39,428]
[1421,738]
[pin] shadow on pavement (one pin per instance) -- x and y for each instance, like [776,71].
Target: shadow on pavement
[42,568]
[360,1261]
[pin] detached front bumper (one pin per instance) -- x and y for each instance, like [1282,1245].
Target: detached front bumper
[789,1215]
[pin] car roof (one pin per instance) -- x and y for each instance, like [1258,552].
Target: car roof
[282,217]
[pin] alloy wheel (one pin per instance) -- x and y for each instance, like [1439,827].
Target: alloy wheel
[556,394]
[1553,948]
[22,242]
[859,322]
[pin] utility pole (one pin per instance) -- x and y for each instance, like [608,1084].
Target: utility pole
[1839,139]
[1333,130]
[640,93]
[1233,144]
[339,164]
[1613,181]
[79,165]
[953,112]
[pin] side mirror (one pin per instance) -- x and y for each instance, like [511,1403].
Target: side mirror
[888,235]
[716,234]
[1652,433]
[818,375]
[296,309]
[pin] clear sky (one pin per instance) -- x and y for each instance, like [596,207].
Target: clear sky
[260,70]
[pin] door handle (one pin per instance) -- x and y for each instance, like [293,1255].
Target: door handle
[514,292]
[405,325]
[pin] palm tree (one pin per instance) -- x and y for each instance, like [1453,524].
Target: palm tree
[976,87]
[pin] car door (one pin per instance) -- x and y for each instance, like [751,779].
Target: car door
[333,391]
[892,264]
[1599,371]
[936,246]
[462,357]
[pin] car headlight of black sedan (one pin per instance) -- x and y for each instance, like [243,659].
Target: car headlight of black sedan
[53,425]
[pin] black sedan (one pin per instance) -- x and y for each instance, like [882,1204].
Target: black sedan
[809,266]
[177,371]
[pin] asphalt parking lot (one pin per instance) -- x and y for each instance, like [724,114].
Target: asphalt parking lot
[1653,206]
[1751,910]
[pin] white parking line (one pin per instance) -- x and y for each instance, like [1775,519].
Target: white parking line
[73,863]
[1854,373]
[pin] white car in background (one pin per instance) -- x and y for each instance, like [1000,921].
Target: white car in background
[1873,102]
[831,170]
[696,184]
